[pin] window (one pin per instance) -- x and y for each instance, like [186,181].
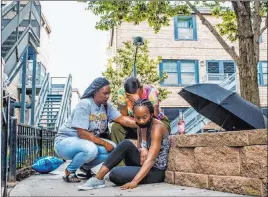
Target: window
[217,71]
[185,28]
[180,72]
[262,73]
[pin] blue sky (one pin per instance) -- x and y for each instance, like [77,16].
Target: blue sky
[76,47]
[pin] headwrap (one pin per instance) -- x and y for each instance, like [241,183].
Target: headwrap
[97,84]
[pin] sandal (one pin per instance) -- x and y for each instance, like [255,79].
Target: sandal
[71,178]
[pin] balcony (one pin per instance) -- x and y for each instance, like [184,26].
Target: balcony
[40,76]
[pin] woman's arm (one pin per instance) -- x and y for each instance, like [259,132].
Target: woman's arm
[156,110]
[84,134]
[123,109]
[126,121]
[154,150]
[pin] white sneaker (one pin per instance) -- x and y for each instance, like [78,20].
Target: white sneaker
[92,183]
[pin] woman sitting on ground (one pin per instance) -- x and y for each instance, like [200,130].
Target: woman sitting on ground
[145,163]
[79,138]
[132,91]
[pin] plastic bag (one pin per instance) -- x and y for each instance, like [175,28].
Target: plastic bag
[46,164]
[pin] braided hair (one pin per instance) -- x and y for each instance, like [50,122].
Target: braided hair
[149,105]
[144,102]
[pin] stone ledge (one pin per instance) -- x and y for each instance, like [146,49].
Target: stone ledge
[191,180]
[258,137]
[231,138]
[236,184]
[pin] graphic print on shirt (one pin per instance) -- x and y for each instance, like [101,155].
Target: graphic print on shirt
[98,123]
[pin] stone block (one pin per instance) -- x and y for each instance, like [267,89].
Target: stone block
[181,159]
[188,140]
[236,184]
[264,188]
[217,161]
[235,138]
[254,161]
[258,137]
[191,180]
[169,177]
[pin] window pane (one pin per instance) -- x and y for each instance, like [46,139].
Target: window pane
[185,23]
[188,67]
[172,79]
[188,78]
[264,79]
[184,33]
[228,67]
[264,67]
[170,66]
[213,67]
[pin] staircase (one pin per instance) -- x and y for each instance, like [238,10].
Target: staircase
[50,111]
[20,28]
[195,121]
[55,105]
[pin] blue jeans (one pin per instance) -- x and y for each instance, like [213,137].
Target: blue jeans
[80,151]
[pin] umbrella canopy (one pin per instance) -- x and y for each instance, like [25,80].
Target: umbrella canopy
[224,107]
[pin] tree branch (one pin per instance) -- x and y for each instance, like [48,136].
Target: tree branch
[228,49]
[265,25]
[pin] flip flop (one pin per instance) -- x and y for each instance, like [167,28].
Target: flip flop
[71,178]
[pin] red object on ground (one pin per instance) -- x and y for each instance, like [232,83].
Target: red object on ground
[181,127]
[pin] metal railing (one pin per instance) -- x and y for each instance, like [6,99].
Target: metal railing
[26,144]
[216,78]
[42,98]
[65,104]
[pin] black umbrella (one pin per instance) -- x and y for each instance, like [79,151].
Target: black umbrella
[224,107]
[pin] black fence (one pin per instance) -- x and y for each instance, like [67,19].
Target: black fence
[23,145]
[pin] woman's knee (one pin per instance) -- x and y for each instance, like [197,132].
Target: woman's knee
[89,152]
[115,177]
[126,143]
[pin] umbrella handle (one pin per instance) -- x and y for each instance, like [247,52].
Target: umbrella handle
[225,120]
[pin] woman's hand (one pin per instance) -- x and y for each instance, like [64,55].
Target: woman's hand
[143,155]
[109,147]
[129,185]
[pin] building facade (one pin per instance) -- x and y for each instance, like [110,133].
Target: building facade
[190,54]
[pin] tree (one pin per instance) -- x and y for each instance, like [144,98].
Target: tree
[146,69]
[241,21]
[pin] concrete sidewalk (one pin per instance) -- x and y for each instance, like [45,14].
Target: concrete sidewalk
[53,185]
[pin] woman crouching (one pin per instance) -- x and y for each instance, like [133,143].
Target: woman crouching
[145,163]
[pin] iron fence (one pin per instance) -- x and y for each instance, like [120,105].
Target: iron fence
[25,144]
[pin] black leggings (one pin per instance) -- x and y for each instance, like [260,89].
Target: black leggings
[120,175]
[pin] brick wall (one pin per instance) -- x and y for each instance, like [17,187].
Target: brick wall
[205,48]
[234,162]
